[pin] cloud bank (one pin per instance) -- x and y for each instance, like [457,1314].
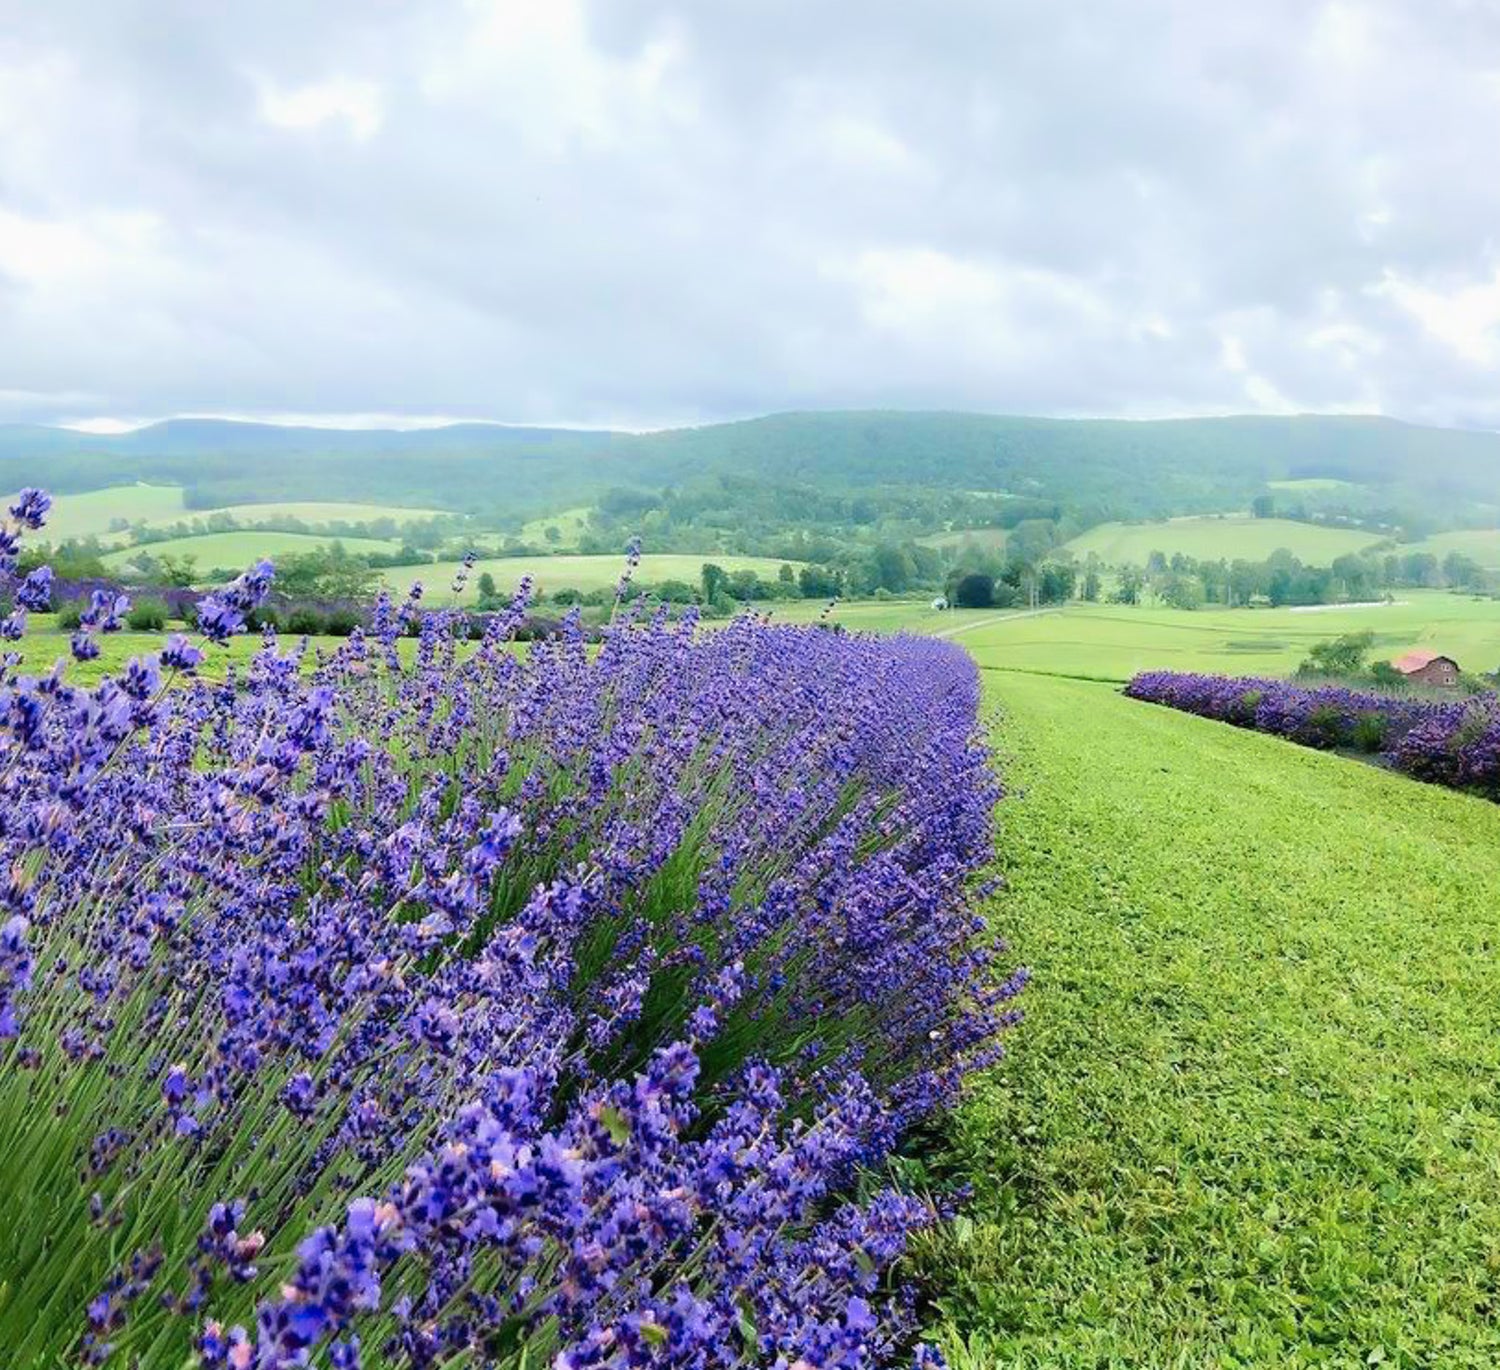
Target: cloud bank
[640,212]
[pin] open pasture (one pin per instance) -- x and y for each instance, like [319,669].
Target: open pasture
[569,523]
[1212,537]
[1113,642]
[96,513]
[230,551]
[99,513]
[981,541]
[1482,544]
[569,572]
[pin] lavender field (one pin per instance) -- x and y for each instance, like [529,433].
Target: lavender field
[476,1008]
[1454,743]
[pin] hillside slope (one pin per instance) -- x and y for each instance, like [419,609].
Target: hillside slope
[1098,468]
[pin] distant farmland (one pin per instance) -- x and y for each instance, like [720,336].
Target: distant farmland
[571,572]
[98,513]
[232,551]
[1209,538]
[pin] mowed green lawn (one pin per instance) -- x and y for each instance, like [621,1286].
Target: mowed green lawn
[1115,641]
[1211,538]
[570,572]
[1252,1117]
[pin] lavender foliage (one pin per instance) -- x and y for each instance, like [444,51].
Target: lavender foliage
[452,1006]
[1454,743]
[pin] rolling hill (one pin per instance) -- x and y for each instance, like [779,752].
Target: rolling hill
[1099,469]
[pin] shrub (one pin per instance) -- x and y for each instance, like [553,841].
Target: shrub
[148,616]
[70,616]
[1369,731]
[304,622]
[974,591]
[340,622]
[264,617]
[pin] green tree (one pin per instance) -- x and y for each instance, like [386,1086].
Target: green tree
[714,579]
[1263,506]
[1339,656]
[1131,583]
[974,591]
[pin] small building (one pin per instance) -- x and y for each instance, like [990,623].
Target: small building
[1428,668]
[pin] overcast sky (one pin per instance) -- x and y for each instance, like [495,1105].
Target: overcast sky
[641,212]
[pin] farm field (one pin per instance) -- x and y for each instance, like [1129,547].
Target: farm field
[969,539]
[569,572]
[237,550]
[1483,544]
[1230,537]
[1310,483]
[1113,642]
[569,523]
[308,511]
[91,513]
[160,506]
[1250,1117]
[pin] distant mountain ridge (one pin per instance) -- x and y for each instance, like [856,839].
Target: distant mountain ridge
[1104,468]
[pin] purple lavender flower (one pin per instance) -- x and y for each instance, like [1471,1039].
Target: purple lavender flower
[30,508]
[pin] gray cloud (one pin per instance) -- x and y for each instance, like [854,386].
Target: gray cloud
[643,211]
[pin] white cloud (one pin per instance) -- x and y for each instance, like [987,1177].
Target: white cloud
[1465,318]
[356,104]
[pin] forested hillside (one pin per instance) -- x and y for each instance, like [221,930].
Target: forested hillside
[922,466]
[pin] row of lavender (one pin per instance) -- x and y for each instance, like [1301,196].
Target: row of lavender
[474,1008]
[1448,743]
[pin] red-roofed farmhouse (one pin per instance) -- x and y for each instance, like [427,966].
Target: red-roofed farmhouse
[1428,668]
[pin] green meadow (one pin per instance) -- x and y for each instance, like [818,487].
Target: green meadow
[1482,544]
[570,525]
[234,551]
[1113,642]
[102,513]
[1212,537]
[98,513]
[1251,1116]
[568,572]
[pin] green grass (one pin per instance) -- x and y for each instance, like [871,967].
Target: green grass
[1312,483]
[1252,1117]
[161,506]
[1115,641]
[984,541]
[1230,537]
[312,512]
[1483,544]
[571,572]
[235,550]
[570,524]
[91,514]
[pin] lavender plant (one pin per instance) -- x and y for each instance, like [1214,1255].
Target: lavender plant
[1448,743]
[479,1009]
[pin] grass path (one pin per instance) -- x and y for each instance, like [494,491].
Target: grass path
[1253,1115]
[987,622]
